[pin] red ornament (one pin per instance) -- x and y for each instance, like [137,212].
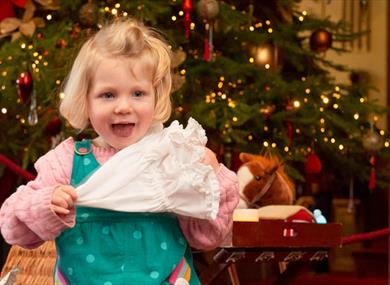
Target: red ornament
[54,127]
[7,9]
[372,182]
[313,164]
[61,43]
[320,40]
[206,53]
[187,6]
[24,85]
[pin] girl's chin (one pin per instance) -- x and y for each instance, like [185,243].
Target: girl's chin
[121,142]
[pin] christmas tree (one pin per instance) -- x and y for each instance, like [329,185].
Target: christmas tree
[253,73]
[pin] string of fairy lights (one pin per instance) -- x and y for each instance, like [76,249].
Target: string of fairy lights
[260,57]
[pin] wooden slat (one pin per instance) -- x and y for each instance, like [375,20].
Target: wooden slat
[35,266]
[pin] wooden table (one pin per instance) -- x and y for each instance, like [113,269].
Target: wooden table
[292,245]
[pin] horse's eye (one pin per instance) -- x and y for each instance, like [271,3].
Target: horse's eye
[257,177]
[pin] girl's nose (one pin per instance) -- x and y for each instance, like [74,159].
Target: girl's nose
[123,106]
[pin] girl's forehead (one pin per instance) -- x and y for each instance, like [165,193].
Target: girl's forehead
[108,68]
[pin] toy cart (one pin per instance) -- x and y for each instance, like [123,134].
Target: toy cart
[292,245]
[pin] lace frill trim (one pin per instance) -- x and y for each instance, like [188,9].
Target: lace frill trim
[187,168]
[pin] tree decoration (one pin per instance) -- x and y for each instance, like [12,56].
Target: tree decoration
[312,169]
[54,127]
[7,8]
[313,164]
[88,14]
[187,7]
[61,43]
[372,142]
[208,10]
[32,118]
[25,26]
[320,40]
[24,85]
[372,182]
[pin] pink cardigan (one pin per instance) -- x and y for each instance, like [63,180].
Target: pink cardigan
[26,218]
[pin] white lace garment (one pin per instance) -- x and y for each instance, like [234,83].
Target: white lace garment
[160,173]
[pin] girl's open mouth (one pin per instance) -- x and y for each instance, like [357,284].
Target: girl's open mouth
[123,129]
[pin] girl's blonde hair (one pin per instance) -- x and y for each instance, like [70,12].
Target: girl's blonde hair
[127,39]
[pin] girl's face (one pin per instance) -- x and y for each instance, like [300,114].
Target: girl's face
[121,101]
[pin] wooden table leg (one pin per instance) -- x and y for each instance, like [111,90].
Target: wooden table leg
[233,274]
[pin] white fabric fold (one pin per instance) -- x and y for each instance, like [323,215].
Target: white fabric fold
[162,172]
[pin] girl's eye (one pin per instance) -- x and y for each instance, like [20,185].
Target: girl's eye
[138,93]
[107,95]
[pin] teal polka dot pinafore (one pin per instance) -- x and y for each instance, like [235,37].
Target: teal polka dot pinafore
[117,248]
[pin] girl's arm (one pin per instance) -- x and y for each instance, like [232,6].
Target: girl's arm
[208,234]
[26,217]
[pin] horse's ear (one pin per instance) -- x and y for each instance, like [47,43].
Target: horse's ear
[245,157]
[274,169]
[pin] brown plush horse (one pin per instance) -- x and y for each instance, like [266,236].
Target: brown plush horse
[263,182]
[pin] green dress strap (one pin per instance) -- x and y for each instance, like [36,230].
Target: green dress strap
[84,163]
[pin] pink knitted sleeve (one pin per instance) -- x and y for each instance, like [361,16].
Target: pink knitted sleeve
[208,234]
[26,218]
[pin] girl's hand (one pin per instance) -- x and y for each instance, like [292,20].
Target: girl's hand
[63,199]
[209,158]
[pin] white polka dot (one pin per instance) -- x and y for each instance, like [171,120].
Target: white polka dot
[85,216]
[107,283]
[106,230]
[123,268]
[70,271]
[164,245]
[154,274]
[90,258]
[137,235]
[86,161]
[80,240]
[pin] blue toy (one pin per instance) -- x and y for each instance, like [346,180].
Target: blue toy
[320,219]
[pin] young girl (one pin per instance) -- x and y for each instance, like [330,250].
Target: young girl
[111,229]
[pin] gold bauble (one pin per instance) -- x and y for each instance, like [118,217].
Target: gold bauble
[208,9]
[88,14]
